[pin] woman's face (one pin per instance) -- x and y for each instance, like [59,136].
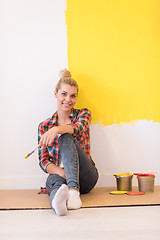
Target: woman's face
[66,97]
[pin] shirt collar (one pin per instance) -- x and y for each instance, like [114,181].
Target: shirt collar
[54,119]
[71,115]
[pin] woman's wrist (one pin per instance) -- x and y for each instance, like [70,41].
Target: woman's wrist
[65,129]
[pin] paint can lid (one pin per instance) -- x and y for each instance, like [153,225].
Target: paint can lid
[118,192]
[144,175]
[122,174]
[135,193]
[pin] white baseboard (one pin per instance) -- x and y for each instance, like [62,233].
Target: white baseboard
[108,180]
[36,182]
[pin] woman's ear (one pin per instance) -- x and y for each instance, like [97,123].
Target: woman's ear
[55,93]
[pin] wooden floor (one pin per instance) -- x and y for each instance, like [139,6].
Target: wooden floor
[98,197]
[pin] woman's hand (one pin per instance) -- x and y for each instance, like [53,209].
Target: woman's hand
[62,173]
[48,137]
[53,169]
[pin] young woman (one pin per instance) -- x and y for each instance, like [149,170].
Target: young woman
[64,151]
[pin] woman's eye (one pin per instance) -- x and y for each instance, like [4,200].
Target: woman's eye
[73,96]
[64,94]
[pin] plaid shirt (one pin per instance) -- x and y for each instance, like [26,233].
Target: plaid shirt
[80,121]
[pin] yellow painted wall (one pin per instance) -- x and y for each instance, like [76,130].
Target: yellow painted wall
[114,54]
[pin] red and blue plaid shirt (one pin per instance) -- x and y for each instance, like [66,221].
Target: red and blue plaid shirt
[80,121]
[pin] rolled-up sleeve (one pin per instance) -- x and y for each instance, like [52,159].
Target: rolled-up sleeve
[44,158]
[82,122]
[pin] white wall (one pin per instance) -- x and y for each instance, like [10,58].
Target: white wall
[33,47]
[127,147]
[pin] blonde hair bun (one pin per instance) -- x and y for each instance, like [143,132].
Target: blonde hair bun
[65,78]
[64,73]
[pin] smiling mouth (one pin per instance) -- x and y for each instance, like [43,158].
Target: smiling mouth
[66,105]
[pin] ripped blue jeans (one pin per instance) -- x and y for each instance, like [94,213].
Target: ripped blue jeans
[81,174]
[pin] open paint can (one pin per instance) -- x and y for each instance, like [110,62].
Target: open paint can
[145,182]
[124,181]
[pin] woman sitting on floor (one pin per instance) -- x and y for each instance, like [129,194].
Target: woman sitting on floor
[64,151]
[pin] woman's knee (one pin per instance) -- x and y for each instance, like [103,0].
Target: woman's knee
[65,137]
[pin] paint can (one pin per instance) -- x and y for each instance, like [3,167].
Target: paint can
[146,183]
[124,181]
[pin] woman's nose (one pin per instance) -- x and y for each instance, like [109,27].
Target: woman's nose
[68,98]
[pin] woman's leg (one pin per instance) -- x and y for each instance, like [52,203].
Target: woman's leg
[58,193]
[53,183]
[70,158]
[88,174]
[80,172]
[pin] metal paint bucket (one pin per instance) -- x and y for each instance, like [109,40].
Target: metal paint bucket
[124,182]
[146,183]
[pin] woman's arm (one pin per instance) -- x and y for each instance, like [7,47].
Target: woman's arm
[44,158]
[75,129]
[82,122]
[49,136]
